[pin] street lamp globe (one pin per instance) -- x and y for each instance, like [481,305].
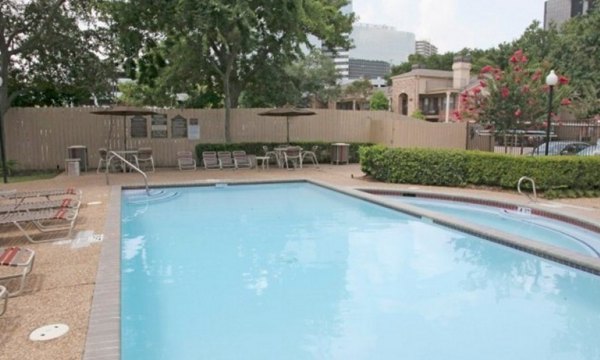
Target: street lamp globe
[551,81]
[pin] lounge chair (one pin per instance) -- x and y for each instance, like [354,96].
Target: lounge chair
[144,155]
[21,258]
[311,155]
[48,194]
[40,205]
[225,159]
[241,160]
[271,154]
[210,160]
[3,299]
[45,221]
[293,154]
[185,160]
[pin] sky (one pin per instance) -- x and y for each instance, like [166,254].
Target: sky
[452,25]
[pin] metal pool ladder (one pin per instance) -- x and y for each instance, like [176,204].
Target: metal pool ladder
[112,155]
[526,178]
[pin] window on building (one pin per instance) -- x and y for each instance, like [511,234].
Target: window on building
[139,127]
[179,128]
[159,126]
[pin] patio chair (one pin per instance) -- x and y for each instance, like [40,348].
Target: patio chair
[225,159]
[293,154]
[271,154]
[144,155]
[21,258]
[45,221]
[241,160]
[3,299]
[311,155]
[210,160]
[185,160]
[103,162]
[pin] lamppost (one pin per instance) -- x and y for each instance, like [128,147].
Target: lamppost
[551,81]
[2,147]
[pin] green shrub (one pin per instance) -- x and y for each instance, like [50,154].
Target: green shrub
[558,176]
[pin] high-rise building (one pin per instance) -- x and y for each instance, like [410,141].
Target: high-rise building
[558,11]
[425,48]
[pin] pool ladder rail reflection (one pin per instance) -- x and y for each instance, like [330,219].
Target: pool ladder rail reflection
[532,197]
[143,198]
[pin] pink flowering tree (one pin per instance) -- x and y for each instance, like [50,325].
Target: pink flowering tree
[514,98]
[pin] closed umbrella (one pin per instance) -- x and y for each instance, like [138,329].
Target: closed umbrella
[124,111]
[288,112]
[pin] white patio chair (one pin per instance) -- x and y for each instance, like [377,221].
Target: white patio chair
[293,154]
[241,160]
[144,155]
[185,160]
[225,159]
[210,160]
[311,155]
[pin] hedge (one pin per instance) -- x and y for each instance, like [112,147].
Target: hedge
[461,168]
[323,155]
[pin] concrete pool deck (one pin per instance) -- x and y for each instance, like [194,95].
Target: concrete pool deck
[61,286]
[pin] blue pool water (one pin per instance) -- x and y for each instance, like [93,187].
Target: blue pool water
[296,271]
[530,226]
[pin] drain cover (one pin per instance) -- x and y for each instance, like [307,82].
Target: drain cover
[49,332]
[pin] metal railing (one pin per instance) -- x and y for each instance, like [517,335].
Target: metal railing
[112,155]
[526,178]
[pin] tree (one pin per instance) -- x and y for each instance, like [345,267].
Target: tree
[379,101]
[577,54]
[46,57]
[515,98]
[231,41]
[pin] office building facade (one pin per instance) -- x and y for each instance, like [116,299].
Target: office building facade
[425,48]
[558,11]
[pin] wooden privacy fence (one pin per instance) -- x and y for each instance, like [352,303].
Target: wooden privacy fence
[38,138]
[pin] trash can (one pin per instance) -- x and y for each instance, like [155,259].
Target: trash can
[79,152]
[72,166]
[339,153]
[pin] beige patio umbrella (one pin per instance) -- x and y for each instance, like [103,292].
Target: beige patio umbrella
[288,112]
[124,111]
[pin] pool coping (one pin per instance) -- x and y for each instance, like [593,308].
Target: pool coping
[103,340]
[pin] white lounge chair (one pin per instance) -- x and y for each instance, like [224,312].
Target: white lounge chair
[40,205]
[21,258]
[241,160]
[225,159]
[185,160]
[3,299]
[210,160]
[48,194]
[45,221]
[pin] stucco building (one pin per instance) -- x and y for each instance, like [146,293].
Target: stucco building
[434,92]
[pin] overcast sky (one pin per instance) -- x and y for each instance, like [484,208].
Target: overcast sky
[454,24]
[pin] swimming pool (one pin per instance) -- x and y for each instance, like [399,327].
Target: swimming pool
[522,223]
[297,271]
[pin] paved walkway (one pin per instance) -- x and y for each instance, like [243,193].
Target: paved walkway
[61,285]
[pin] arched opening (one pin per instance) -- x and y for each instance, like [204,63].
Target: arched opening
[403,104]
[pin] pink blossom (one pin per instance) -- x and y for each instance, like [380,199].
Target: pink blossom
[505,92]
[486,69]
[563,80]
[518,113]
[482,83]
[536,75]
[476,90]
[525,89]
[565,102]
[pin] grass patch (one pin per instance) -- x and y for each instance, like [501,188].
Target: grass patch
[23,176]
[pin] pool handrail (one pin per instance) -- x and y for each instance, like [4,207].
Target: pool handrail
[534,198]
[112,155]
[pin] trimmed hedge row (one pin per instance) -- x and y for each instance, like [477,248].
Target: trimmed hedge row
[461,168]
[323,155]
